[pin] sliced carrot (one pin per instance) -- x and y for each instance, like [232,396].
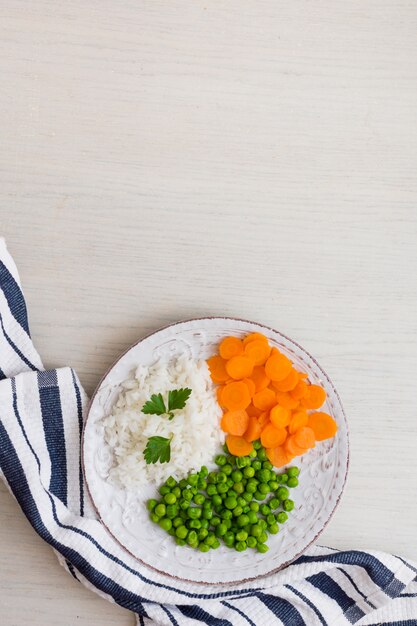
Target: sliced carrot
[239,367]
[253,430]
[263,419]
[279,416]
[219,394]
[302,375]
[298,420]
[288,383]
[235,396]
[323,425]
[292,448]
[278,366]
[257,350]
[254,337]
[277,456]
[264,399]
[250,385]
[230,346]
[272,436]
[314,397]
[285,400]
[259,377]
[252,411]
[304,437]
[217,367]
[238,446]
[299,391]
[235,422]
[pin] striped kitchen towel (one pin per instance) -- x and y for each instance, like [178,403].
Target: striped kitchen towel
[41,419]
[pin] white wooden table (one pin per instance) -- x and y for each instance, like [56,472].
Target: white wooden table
[164,160]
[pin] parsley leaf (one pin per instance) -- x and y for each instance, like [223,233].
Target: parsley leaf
[177,398]
[155,406]
[157,449]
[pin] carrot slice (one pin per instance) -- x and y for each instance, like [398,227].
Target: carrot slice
[263,419]
[302,375]
[257,350]
[278,366]
[292,449]
[323,425]
[279,416]
[217,367]
[298,420]
[230,346]
[277,456]
[272,436]
[254,337]
[259,377]
[299,391]
[288,383]
[239,367]
[250,385]
[285,400]
[219,394]
[253,430]
[304,437]
[235,396]
[264,399]
[252,411]
[238,446]
[314,397]
[235,422]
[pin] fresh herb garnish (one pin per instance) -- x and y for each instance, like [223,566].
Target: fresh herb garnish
[158,449]
[176,400]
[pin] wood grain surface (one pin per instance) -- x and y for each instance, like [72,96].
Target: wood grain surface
[164,160]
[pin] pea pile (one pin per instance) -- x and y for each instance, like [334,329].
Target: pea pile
[226,504]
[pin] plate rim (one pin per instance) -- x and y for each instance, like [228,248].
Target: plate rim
[243,580]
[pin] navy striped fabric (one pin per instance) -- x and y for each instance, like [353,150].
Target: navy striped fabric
[41,419]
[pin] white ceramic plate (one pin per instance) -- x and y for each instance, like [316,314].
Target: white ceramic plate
[322,477]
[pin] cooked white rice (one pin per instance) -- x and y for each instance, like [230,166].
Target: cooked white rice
[196,432]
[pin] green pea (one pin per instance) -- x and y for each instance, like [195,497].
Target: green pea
[221,478]
[202,534]
[226,514]
[263,537]
[263,475]
[154,517]
[273,485]
[192,480]
[229,483]
[151,504]
[227,469]
[273,529]
[238,510]
[202,484]
[274,503]
[262,547]
[170,482]
[242,520]
[171,532]
[239,487]
[257,444]
[249,472]
[194,513]
[227,523]
[210,539]
[278,478]
[207,514]
[247,496]
[221,530]
[187,494]
[195,523]
[270,519]
[225,448]
[237,476]
[293,472]
[215,544]
[177,521]
[180,542]
[211,490]
[230,502]
[176,491]
[181,532]
[182,484]
[163,490]
[192,537]
[242,535]
[262,454]
[252,454]
[199,498]
[288,505]
[242,461]
[220,459]
[203,471]
[204,523]
[203,547]
[284,478]
[184,504]
[229,538]
[258,495]
[282,493]
[172,510]
[251,542]
[268,466]
[292,482]
[216,521]
[222,488]
[212,478]
[251,486]
[160,510]
[256,531]
[216,500]
[246,509]
[262,523]
[256,465]
[240,546]
[264,509]
[241,501]
[263,488]
[165,523]
[254,506]
[253,518]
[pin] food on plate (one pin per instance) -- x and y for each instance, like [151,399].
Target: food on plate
[261,388]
